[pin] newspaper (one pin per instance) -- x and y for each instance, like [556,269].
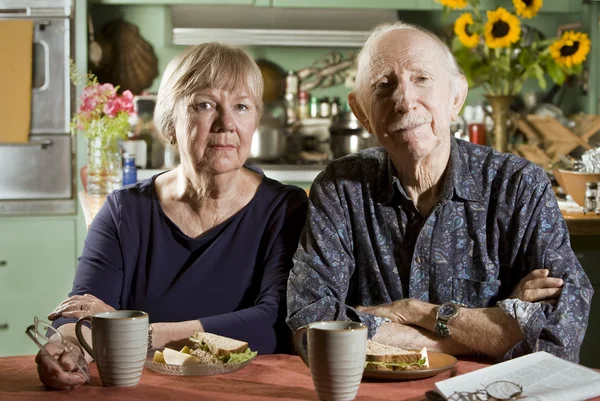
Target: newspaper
[543,377]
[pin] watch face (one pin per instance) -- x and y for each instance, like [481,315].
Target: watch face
[447,311]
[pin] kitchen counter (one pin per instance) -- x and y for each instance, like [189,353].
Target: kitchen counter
[577,222]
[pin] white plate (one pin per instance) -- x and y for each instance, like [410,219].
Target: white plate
[192,370]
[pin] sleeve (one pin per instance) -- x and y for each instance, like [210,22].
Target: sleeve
[324,262]
[263,325]
[100,268]
[558,330]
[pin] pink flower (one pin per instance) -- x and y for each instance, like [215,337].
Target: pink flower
[126,102]
[112,107]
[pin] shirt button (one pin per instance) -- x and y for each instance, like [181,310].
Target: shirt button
[418,259]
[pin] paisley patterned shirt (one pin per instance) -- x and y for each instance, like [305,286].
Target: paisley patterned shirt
[497,219]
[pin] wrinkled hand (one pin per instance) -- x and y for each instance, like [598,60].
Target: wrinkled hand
[397,311]
[538,287]
[78,306]
[58,371]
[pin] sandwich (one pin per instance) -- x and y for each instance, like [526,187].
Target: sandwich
[387,357]
[207,349]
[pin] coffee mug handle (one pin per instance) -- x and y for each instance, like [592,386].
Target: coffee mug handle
[299,337]
[80,337]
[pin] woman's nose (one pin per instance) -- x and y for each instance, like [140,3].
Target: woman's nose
[224,122]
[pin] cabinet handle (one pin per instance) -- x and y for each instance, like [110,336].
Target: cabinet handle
[3,326]
[3,263]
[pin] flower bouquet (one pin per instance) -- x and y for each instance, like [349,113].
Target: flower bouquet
[495,52]
[102,117]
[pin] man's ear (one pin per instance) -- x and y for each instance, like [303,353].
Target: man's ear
[358,111]
[460,96]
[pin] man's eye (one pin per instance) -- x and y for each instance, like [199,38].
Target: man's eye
[422,79]
[382,84]
[242,107]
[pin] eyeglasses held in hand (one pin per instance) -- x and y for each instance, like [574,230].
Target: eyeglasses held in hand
[496,391]
[499,390]
[41,333]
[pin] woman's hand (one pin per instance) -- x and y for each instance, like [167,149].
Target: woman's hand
[57,368]
[538,287]
[78,306]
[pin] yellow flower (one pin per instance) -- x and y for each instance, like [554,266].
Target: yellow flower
[453,4]
[527,8]
[502,29]
[572,49]
[463,29]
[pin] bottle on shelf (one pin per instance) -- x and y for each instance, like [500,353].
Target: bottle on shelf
[324,107]
[303,105]
[314,107]
[335,106]
[291,97]
[129,169]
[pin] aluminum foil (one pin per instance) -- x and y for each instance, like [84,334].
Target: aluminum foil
[589,163]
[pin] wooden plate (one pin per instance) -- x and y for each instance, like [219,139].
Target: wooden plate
[438,363]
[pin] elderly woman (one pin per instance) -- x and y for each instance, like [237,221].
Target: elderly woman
[207,246]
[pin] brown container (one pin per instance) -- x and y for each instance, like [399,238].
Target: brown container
[573,183]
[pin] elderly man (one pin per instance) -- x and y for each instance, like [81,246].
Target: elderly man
[431,241]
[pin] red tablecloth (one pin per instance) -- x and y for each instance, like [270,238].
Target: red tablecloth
[277,377]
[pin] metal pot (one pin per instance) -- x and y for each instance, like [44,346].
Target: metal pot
[348,136]
[268,143]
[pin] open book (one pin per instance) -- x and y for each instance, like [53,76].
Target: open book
[543,377]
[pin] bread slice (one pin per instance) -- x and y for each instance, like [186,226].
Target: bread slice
[382,354]
[217,345]
[205,357]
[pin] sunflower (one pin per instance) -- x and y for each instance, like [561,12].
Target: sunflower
[527,8]
[453,4]
[463,28]
[502,29]
[571,49]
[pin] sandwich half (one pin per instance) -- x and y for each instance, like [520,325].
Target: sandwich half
[212,348]
[387,357]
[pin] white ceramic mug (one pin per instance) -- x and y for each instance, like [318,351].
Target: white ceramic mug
[120,344]
[336,357]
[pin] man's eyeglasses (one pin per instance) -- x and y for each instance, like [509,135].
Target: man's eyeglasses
[496,391]
[41,333]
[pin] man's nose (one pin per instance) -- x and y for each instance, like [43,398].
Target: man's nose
[405,98]
[224,121]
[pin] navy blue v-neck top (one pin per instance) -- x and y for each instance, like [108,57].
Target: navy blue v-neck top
[232,278]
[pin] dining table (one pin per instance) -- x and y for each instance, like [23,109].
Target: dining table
[267,377]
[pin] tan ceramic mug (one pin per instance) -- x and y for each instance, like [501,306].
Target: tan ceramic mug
[120,344]
[336,357]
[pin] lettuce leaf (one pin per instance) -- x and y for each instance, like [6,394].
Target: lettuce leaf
[240,357]
[398,365]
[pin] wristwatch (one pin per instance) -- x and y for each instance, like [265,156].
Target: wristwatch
[444,314]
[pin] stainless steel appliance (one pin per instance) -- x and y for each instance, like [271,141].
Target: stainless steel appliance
[37,177]
[348,136]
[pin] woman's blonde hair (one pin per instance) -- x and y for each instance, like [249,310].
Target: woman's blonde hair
[209,65]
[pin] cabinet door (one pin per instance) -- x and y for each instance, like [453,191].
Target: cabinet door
[385,4]
[37,264]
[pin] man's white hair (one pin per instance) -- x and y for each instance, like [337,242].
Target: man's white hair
[363,57]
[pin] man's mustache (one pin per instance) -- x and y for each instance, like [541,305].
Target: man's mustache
[409,121]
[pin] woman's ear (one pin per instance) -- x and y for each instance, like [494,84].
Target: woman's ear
[358,111]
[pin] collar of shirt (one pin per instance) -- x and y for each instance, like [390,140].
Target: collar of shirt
[459,180]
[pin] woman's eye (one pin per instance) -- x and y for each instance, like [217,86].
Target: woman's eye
[203,106]
[242,107]
[422,79]
[382,84]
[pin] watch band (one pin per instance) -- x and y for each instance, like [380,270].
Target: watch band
[442,320]
[442,329]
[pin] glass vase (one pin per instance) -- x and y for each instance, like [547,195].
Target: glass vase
[500,114]
[105,166]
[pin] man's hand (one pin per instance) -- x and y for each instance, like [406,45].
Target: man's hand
[397,311]
[538,287]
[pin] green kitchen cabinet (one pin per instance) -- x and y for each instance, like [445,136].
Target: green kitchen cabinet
[37,265]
